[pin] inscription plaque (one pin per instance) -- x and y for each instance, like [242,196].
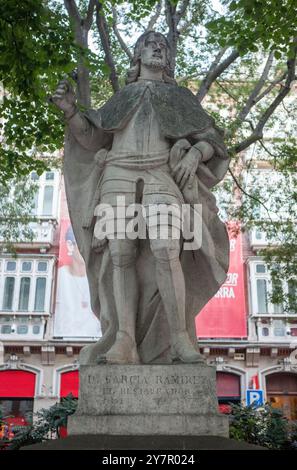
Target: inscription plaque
[148,399]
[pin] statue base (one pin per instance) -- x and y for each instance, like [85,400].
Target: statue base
[178,399]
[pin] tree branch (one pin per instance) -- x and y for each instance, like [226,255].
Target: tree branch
[73,11]
[105,41]
[251,101]
[215,70]
[88,20]
[154,17]
[258,132]
[173,18]
[118,34]
[225,90]
[247,194]
[172,36]
[275,82]
[81,39]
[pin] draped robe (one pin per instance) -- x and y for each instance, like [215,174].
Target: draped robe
[179,116]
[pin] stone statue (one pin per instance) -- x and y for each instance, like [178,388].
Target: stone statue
[154,144]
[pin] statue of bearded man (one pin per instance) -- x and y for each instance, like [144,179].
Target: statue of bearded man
[153,144]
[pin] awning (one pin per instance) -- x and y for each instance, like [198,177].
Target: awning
[228,385]
[69,383]
[281,383]
[17,384]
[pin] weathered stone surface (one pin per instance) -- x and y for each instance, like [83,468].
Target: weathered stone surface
[148,399]
[151,143]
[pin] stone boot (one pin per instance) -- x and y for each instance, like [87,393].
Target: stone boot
[123,351]
[183,350]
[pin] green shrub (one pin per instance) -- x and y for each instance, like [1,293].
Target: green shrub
[46,424]
[264,426]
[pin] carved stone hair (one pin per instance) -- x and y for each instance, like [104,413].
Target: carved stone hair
[134,71]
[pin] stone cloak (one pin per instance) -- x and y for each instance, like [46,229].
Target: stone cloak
[180,115]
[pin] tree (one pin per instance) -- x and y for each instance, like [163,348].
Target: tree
[242,58]
[16,204]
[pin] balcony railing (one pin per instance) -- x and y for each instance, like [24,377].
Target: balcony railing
[259,239]
[273,328]
[28,326]
[43,231]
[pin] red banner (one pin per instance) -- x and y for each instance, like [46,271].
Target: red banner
[225,314]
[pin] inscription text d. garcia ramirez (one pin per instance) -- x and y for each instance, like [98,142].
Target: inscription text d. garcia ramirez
[145,380]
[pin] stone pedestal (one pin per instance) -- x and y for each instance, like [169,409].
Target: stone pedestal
[177,399]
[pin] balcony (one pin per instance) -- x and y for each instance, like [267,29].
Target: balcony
[43,234]
[273,328]
[259,240]
[28,326]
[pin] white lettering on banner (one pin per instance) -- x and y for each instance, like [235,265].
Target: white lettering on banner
[225,293]
[232,279]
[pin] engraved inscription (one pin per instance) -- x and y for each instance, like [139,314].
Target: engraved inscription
[178,386]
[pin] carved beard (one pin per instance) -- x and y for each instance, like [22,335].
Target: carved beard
[154,63]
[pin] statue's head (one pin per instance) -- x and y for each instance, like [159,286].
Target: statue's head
[151,49]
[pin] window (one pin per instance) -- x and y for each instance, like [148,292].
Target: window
[35,202]
[34,176]
[8,293]
[26,266]
[27,289]
[42,266]
[40,294]
[47,207]
[279,328]
[36,330]
[11,266]
[49,175]
[258,234]
[262,295]
[24,293]
[292,296]
[265,331]
[263,286]
[260,268]
[292,288]
[44,196]
[277,287]
[22,329]
[6,329]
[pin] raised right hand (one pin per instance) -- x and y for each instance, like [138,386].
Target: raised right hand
[64,97]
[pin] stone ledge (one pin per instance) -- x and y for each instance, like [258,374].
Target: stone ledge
[104,442]
[152,424]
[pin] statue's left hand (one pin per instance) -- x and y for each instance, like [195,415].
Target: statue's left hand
[184,172]
[98,245]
